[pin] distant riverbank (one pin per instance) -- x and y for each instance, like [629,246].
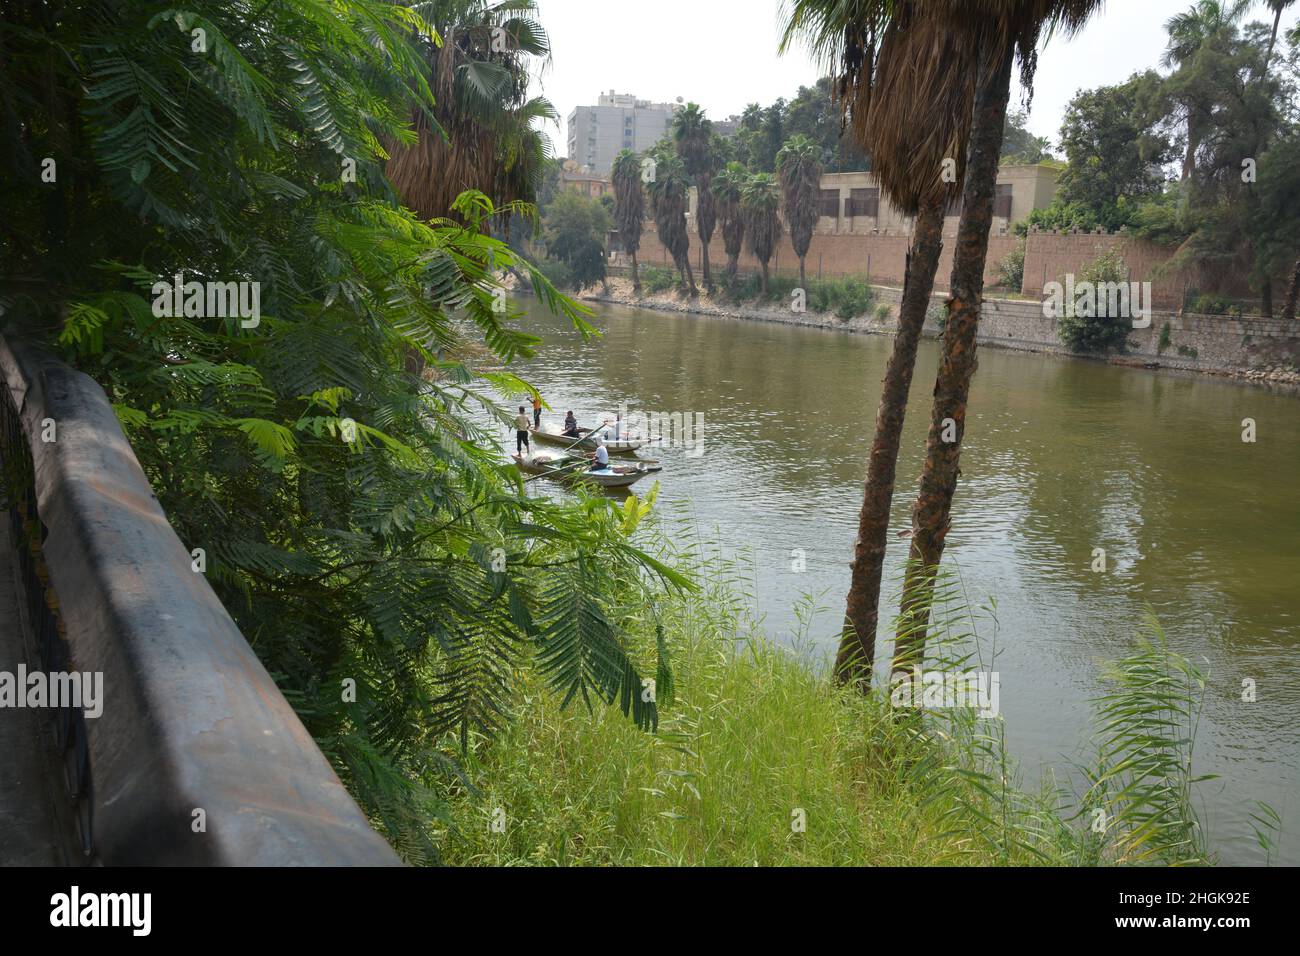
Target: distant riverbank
[1253,349]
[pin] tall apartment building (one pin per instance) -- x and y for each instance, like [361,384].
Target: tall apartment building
[618,121]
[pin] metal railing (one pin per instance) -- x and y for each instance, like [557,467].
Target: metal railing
[196,758]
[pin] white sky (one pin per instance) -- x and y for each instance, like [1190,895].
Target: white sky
[722,54]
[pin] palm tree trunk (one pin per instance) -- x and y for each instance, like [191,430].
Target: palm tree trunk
[857,650]
[733,265]
[803,282]
[636,277]
[933,506]
[1272,39]
[704,264]
[1288,311]
[690,275]
[764,286]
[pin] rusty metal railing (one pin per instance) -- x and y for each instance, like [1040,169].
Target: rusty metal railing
[196,758]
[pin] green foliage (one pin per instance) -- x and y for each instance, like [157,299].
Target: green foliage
[800,171]
[629,200]
[1116,143]
[1210,304]
[1097,332]
[1165,340]
[847,297]
[721,785]
[576,227]
[1011,270]
[1019,145]
[656,279]
[1143,782]
[334,460]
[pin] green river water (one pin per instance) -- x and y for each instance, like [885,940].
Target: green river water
[1060,457]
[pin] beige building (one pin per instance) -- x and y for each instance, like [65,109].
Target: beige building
[577,179]
[852,203]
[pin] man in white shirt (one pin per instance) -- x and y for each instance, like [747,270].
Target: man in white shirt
[602,456]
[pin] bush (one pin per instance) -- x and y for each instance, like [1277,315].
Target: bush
[1216,305]
[1096,333]
[739,288]
[655,279]
[848,297]
[1165,340]
[558,271]
[1011,270]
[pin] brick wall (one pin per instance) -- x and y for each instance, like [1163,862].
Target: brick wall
[880,258]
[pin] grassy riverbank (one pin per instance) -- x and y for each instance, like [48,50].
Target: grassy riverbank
[759,759]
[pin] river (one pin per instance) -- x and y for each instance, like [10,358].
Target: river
[1060,457]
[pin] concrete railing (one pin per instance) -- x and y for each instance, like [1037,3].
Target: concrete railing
[196,758]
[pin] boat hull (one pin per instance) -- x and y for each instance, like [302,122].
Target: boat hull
[623,446]
[573,470]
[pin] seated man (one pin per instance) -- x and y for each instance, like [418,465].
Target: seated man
[602,456]
[570,426]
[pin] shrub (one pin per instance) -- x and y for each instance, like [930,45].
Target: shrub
[1165,340]
[883,312]
[847,298]
[1096,333]
[656,279]
[1011,270]
[1216,305]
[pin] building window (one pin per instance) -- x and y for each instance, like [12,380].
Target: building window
[1002,201]
[864,202]
[829,203]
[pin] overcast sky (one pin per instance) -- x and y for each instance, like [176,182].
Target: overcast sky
[722,54]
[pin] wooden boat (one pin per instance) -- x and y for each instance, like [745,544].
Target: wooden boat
[576,468]
[550,434]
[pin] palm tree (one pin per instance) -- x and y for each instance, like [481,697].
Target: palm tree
[693,134]
[1002,31]
[669,197]
[481,133]
[629,206]
[799,166]
[1277,6]
[727,186]
[760,201]
[875,92]
[1189,32]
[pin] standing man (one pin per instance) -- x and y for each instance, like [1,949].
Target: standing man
[537,410]
[521,432]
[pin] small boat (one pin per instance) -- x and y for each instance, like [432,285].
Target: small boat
[576,468]
[551,435]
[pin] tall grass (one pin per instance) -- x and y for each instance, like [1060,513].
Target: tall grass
[761,759]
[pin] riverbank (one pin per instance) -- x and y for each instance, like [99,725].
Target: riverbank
[1251,349]
[760,760]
